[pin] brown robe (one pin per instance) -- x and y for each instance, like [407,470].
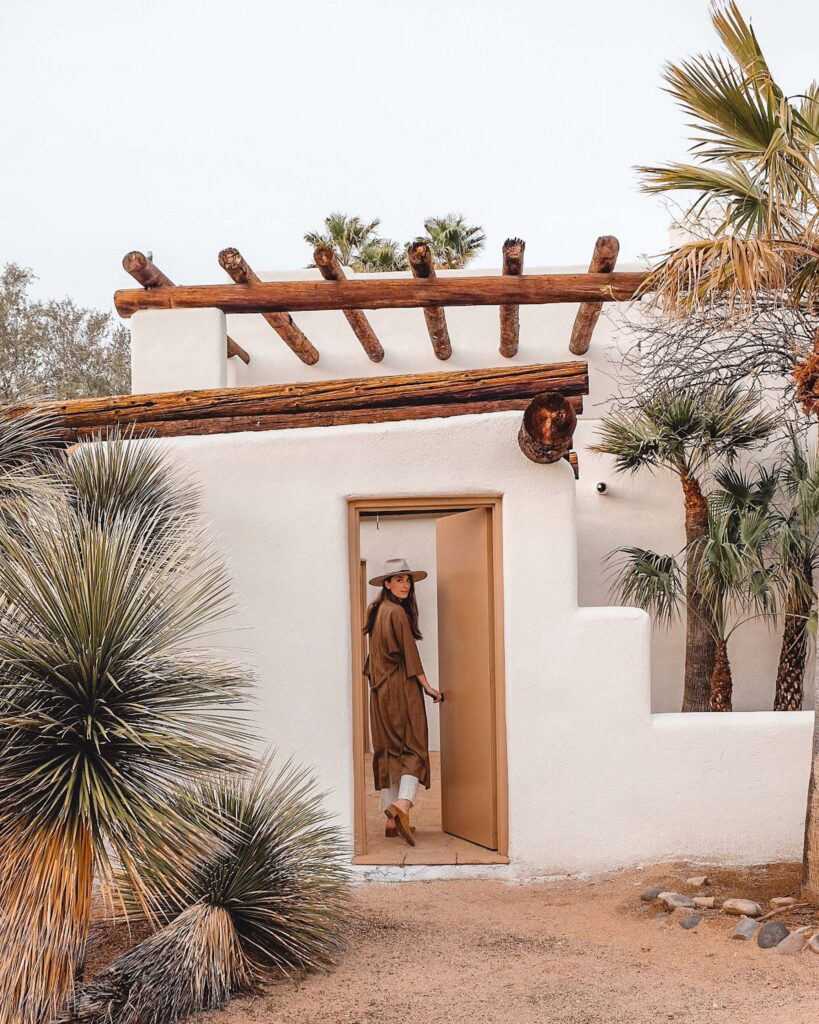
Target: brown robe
[398,718]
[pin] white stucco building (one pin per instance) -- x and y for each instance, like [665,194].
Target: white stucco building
[594,767]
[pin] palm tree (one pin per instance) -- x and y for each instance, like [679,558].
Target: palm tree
[347,236]
[381,255]
[105,708]
[732,577]
[687,432]
[271,899]
[756,157]
[755,162]
[796,546]
[452,241]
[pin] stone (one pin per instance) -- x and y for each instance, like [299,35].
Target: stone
[793,943]
[672,900]
[745,929]
[690,921]
[813,943]
[783,901]
[748,908]
[704,902]
[698,881]
[651,894]
[771,934]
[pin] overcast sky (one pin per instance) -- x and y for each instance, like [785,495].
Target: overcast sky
[183,127]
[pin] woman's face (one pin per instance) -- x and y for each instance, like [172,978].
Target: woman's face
[399,586]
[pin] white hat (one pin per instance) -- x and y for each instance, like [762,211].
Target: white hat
[397,567]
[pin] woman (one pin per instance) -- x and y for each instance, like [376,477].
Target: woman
[398,718]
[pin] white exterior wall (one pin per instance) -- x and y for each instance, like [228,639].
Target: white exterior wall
[645,510]
[612,783]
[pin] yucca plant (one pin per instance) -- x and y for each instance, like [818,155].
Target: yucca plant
[27,448]
[119,477]
[105,708]
[273,899]
[734,581]
[689,432]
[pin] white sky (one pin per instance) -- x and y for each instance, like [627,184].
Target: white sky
[183,127]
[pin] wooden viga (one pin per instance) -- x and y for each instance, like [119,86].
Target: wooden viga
[548,426]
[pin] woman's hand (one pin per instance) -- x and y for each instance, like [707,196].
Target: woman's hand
[437,696]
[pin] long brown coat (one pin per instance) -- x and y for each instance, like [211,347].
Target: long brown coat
[398,718]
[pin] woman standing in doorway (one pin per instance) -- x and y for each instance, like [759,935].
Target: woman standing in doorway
[398,718]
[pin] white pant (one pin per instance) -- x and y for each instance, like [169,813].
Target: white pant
[406,791]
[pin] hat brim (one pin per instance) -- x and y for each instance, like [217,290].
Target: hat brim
[378,581]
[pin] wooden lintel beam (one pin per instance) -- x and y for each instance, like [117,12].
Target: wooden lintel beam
[386,293]
[320,403]
[148,274]
[423,267]
[513,249]
[331,270]
[604,258]
[240,272]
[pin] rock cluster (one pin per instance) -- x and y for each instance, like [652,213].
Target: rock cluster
[753,922]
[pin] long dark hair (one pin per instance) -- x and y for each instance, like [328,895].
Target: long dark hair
[409,604]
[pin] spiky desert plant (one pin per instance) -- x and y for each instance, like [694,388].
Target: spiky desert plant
[274,899]
[27,445]
[105,709]
[119,476]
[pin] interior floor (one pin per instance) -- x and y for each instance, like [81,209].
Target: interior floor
[433,846]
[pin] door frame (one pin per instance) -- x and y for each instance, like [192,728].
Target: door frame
[428,504]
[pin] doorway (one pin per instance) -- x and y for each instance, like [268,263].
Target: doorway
[462,818]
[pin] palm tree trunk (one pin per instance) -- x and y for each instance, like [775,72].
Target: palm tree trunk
[810,855]
[700,646]
[722,684]
[790,673]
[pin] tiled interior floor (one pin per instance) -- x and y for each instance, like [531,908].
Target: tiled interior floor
[433,846]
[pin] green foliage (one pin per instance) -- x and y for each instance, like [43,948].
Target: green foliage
[56,348]
[271,898]
[356,242]
[684,431]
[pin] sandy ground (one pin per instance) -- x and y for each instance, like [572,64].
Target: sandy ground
[576,952]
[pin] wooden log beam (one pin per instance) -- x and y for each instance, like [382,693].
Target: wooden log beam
[240,271]
[548,428]
[604,257]
[422,266]
[510,314]
[331,270]
[148,274]
[320,403]
[386,293]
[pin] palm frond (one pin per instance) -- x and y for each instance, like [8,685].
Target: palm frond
[648,580]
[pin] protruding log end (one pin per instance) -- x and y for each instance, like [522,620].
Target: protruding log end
[604,258]
[513,249]
[325,259]
[144,271]
[235,266]
[420,259]
[548,428]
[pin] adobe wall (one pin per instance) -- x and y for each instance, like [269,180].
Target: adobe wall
[172,351]
[595,780]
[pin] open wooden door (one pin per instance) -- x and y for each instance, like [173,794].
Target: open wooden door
[466,676]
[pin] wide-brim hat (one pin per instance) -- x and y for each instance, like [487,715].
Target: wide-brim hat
[397,567]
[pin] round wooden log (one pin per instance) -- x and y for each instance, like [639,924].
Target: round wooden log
[240,272]
[331,270]
[604,258]
[510,315]
[423,266]
[548,428]
[144,271]
[149,275]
